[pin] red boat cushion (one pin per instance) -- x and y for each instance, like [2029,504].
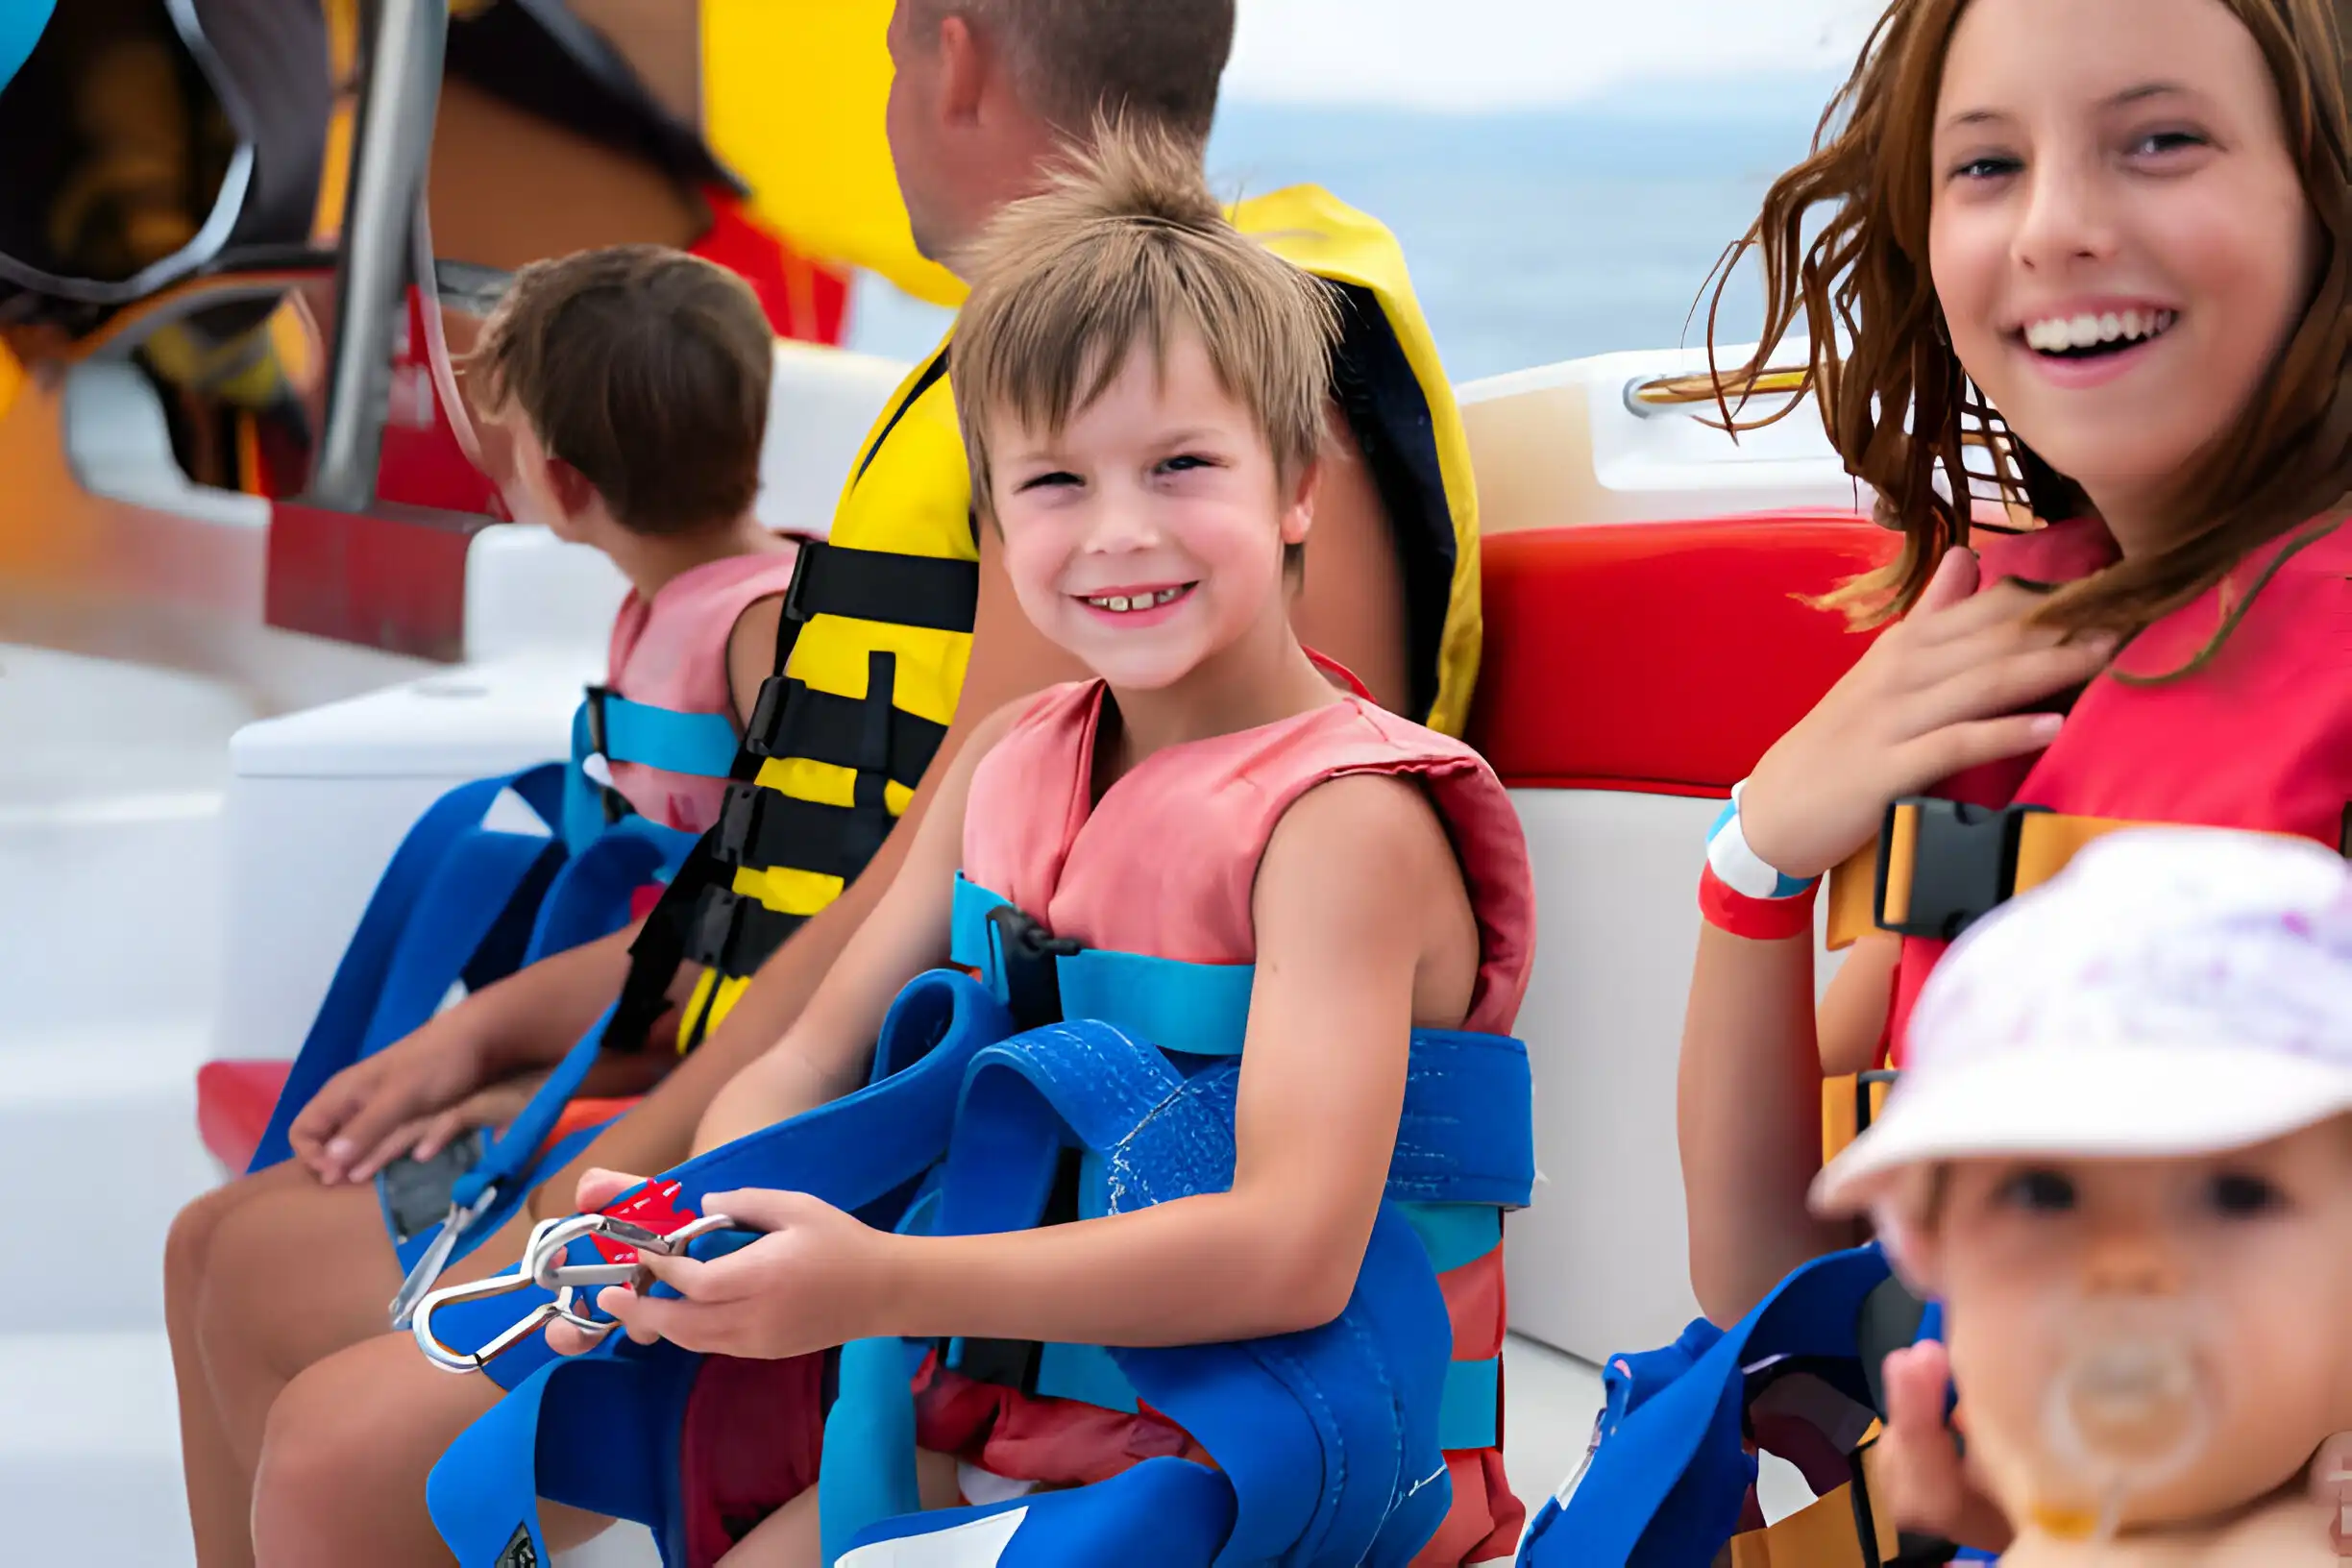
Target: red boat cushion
[234,1100]
[1661,658]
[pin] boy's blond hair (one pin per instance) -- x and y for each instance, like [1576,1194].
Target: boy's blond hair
[1126,246]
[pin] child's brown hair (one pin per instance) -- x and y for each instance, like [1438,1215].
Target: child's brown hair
[1128,247]
[644,368]
[1865,274]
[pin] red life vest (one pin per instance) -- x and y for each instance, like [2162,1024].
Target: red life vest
[2257,737]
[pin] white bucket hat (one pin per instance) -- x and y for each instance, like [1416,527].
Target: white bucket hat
[2174,991]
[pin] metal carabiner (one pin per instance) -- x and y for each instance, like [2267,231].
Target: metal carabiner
[450,1360]
[543,1265]
[547,1249]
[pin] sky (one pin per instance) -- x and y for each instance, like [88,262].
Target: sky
[1501,54]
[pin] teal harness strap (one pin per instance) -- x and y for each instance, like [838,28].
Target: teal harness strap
[700,744]
[611,726]
[1198,1009]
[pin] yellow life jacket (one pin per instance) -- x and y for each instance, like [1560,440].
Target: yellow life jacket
[877,627]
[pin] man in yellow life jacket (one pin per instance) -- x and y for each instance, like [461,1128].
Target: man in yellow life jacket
[900,634]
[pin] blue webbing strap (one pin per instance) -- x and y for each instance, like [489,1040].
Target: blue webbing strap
[703,745]
[415,904]
[21,25]
[1198,1009]
[1667,1483]
[589,901]
[861,1153]
[1329,1439]
[1162,1514]
[699,744]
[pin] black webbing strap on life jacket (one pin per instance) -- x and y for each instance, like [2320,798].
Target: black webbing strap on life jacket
[700,918]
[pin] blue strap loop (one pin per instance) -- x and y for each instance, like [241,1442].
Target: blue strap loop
[1669,1477]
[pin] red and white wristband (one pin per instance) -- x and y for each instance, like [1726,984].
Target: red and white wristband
[1739,893]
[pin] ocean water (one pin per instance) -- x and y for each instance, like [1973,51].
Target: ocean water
[1532,237]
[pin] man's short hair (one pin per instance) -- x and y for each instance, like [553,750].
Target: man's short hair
[1155,61]
[644,368]
[1127,248]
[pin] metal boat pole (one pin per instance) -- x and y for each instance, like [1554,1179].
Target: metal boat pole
[393,139]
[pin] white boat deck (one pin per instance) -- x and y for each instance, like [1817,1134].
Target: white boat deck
[111,786]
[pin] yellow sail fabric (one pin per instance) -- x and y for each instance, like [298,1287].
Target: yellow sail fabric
[792,99]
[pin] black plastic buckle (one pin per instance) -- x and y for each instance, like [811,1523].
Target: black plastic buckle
[1963,864]
[613,803]
[796,592]
[767,726]
[1026,951]
[1864,1083]
[737,823]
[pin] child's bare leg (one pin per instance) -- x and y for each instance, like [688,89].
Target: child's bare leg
[290,1275]
[219,1487]
[345,1457]
[787,1538]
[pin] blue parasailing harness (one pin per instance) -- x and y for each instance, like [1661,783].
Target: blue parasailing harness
[465,904]
[1328,1444]
[1667,1480]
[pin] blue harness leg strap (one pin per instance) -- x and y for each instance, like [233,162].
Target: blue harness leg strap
[21,25]
[1665,1484]
[588,900]
[1328,1440]
[865,1153]
[446,888]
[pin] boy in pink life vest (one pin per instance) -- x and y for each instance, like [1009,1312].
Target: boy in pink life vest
[628,390]
[1139,390]
[2123,1159]
[633,384]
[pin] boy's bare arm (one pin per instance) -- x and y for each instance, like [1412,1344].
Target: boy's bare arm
[1010,659]
[829,1049]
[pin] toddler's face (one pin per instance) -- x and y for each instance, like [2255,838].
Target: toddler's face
[2248,1255]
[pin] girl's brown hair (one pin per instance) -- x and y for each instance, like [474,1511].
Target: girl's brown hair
[1865,274]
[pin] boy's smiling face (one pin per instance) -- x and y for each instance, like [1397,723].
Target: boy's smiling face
[2250,1252]
[1147,536]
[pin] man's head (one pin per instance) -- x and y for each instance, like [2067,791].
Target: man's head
[984,92]
[633,384]
[1142,390]
[2121,1154]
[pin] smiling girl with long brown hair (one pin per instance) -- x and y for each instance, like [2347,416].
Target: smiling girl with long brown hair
[2098,253]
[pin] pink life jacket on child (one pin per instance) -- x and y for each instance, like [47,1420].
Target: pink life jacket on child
[1165,864]
[671,654]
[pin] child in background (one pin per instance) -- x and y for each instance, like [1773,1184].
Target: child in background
[2121,1158]
[629,389]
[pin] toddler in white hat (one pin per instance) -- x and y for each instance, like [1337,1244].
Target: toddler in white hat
[2121,1157]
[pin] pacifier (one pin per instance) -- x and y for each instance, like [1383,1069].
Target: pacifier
[2130,1406]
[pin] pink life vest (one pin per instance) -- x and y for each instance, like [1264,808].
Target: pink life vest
[673,653]
[2260,738]
[1165,864]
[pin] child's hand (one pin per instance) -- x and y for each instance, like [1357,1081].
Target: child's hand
[1936,694]
[598,1188]
[390,1104]
[815,1281]
[1924,1479]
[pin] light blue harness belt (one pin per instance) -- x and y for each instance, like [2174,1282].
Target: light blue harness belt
[1328,1444]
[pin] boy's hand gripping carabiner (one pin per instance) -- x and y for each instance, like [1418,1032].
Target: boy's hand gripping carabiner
[544,1265]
